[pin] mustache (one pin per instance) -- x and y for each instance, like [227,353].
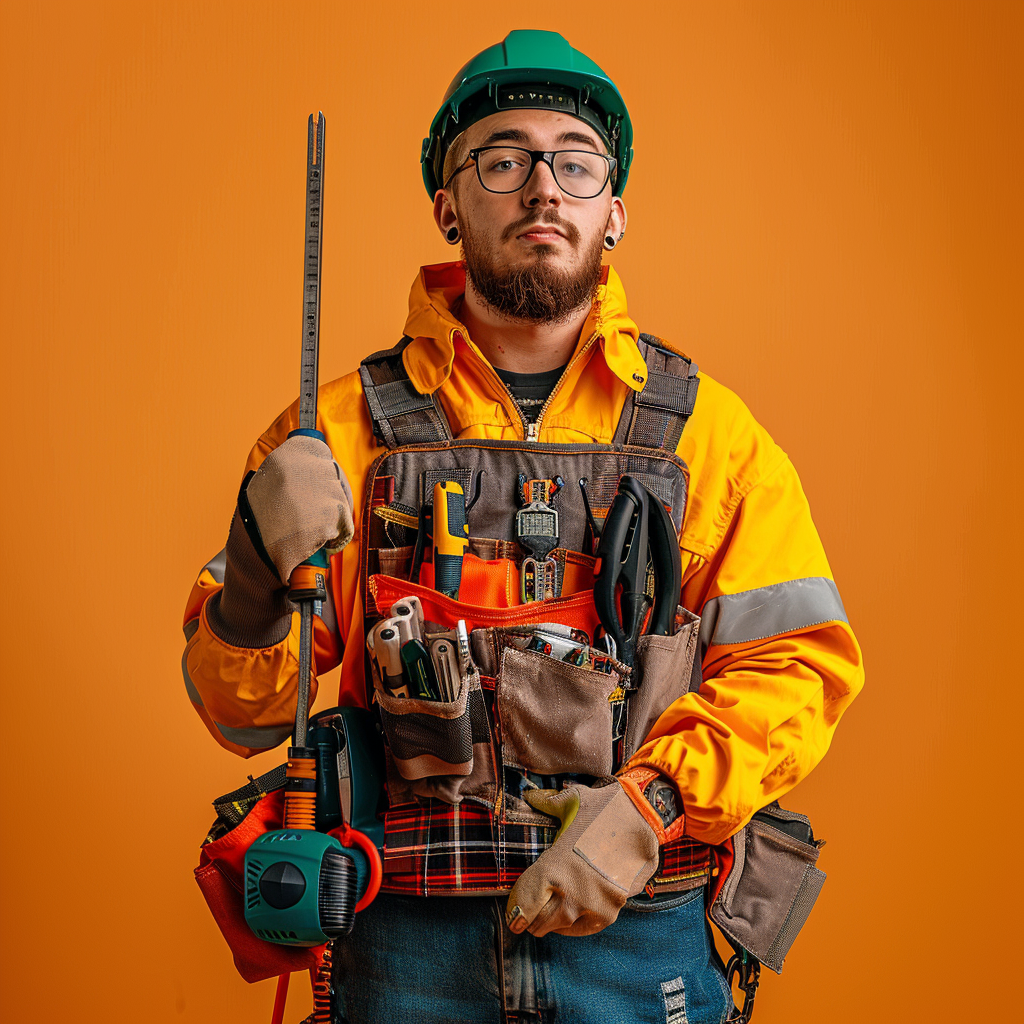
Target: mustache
[531,220]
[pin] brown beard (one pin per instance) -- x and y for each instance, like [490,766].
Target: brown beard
[534,292]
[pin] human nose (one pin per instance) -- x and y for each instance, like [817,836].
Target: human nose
[541,189]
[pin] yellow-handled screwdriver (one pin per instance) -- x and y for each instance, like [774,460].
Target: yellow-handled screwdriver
[451,536]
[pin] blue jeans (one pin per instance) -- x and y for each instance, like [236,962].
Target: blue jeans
[452,960]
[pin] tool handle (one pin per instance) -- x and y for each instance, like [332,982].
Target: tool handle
[407,618]
[668,569]
[307,587]
[308,581]
[387,649]
[419,670]
[621,569]
[300,788]
[451,536]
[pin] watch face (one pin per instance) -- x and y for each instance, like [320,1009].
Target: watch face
[662,797]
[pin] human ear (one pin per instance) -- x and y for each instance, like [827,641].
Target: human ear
[446,217]
[615,226]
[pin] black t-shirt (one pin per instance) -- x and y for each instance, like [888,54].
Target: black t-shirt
[530,390]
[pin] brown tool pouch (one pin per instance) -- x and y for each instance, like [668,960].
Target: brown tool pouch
[555,717]
[438,749]
[549,717]
[428,737]
[766,893]
[666,671]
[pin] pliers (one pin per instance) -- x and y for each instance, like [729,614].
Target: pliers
[637,531]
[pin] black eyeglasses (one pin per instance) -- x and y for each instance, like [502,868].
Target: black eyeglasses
[579,173]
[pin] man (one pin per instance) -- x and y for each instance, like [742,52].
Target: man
[528,340]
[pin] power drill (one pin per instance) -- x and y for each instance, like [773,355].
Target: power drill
[304,885]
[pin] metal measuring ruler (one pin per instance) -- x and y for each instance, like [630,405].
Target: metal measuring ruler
[309,375]
[311,282]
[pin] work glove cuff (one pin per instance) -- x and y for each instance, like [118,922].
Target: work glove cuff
[635,781]
[252,609]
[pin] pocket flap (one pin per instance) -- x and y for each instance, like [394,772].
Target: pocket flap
[555,717]
[666,663]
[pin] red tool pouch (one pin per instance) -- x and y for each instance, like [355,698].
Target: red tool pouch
[220,875]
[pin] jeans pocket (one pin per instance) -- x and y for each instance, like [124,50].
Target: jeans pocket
[679,967]
[663,901]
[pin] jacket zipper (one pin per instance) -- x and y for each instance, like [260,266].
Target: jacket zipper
[502,388]
[533,429]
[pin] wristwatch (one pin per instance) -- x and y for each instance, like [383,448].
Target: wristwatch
[662,796]
[659,791]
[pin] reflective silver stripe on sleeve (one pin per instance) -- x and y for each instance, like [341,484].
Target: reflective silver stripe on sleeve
[768,611]
[193,694]
[217,565]
[256,736]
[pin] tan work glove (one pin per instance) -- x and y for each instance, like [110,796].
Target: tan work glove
[301,501]
[605,851]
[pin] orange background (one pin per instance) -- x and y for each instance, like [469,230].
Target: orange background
[825,211]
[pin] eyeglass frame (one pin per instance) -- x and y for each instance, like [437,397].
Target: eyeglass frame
[536,156]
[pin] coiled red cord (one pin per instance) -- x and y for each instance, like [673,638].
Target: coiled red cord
[322,990]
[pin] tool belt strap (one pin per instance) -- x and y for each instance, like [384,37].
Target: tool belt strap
[656,416]
[400,414]
[234,806]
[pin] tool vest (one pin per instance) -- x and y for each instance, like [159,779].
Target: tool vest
[456,820]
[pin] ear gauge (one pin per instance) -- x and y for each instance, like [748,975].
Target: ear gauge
[610,242]
[452,235]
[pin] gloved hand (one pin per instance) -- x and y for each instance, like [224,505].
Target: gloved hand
[301,501]
[605,851]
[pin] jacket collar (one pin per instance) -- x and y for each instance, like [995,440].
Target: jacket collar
[432,326]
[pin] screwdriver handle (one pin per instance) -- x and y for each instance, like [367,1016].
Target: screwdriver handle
[451,536]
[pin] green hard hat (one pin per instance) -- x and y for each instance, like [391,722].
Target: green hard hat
[530,69]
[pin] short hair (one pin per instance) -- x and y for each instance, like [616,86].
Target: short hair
[455,157]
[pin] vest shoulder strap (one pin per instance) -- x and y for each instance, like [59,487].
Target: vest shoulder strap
[652,418]
[656,416]
[400,414]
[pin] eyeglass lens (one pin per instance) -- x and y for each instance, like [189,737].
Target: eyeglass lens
[578,173]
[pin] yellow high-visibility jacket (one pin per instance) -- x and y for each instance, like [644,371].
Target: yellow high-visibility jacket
[780,662]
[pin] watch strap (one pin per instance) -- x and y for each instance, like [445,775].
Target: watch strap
[635,781]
